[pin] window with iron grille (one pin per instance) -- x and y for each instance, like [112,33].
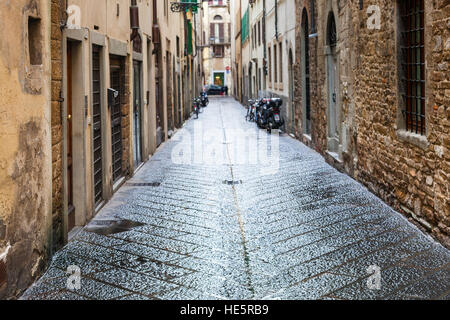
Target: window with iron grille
[412,26]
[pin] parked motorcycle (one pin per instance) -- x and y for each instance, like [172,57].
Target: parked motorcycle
[196,104]
[260,111]
[269,114]
[204,99]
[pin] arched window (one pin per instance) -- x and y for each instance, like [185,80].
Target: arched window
[306,73]
[331,30]
[218,17]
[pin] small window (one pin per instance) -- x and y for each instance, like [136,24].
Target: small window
[218,51]
[218,17]
[35,41]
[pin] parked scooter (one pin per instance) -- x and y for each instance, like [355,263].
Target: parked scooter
[274,118]
[204,99]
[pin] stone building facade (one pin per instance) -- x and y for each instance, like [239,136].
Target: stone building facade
[372,114]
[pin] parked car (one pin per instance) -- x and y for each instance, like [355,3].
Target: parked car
[216,90]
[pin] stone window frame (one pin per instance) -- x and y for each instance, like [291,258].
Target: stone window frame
[418,140]
[32,73]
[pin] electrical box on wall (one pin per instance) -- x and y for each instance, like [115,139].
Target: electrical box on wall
[112,96]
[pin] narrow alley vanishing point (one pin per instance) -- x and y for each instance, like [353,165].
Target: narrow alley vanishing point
[231,231]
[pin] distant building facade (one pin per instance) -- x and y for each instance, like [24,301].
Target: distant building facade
[216,40]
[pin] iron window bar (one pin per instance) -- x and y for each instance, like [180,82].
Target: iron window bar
[413,64]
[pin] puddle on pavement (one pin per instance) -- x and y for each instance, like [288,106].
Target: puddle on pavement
[107,227]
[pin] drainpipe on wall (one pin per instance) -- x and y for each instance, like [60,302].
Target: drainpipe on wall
[264,42]
[276,19]
[134,20]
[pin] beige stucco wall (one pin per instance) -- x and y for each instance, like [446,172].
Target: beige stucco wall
[25,152]
[108,22]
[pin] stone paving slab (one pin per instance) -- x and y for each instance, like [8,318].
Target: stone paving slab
[231,230]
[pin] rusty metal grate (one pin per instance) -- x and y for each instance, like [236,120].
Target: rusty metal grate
[144,184]
[232,183]
[413,63]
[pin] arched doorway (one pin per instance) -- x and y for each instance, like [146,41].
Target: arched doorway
[306,95]
[291,90]
[332,85]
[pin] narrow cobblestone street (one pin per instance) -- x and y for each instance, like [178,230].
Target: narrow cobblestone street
[233,230]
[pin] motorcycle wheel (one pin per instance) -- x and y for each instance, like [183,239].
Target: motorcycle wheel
[259,122]
[269,126]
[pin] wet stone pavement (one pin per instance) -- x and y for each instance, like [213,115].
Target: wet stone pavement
[229,227]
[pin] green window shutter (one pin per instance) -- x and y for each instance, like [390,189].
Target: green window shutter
[189,38]
[245,22]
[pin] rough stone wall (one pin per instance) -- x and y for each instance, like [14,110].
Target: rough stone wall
[25,154]
[412,177]
[57,10]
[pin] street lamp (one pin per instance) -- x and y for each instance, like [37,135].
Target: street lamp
[184,6]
